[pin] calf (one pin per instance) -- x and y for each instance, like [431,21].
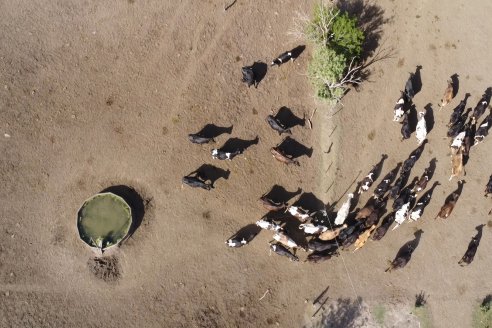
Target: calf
[458,140]
[282,58]
[488,188]
[448,95]
[401,215]
[399,184]
[195,182]
[271,205]
[480,108]
[398,109]
[418,210]
[332,234]
[385,184]
[344,210]
[422,182]
[468,141]
[317,257]
[198,139]
[299,213]
[404,197]
[276,125]
[483,129]
[421,130]
[236,242]
[457,164]
[457,113]
[268,225]
[366,183]
[383,228]
[405,128]
[282,238]
[401,259]
[320,246]
[312,229]
[363,237]
[249,76]
[455,129]
[448,206]
[222,155]
[472,248]
[282,251]
[281,157]
[414,156]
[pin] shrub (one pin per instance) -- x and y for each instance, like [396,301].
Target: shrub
[337,44]
[326,67]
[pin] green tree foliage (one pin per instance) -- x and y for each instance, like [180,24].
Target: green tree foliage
[347,38]
[337,42]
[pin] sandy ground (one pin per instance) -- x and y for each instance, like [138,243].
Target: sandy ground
[96,95]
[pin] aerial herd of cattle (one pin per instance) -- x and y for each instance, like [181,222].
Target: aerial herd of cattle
[324,233]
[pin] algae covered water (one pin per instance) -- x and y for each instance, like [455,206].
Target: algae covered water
[104,220]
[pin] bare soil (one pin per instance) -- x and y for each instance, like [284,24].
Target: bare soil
[96,95]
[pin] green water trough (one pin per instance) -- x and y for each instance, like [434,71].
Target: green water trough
[104,220]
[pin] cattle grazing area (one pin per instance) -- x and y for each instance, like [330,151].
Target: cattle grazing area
[254,203]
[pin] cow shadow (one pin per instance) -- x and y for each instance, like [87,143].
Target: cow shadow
[429,117]
[291,225]
[235,144]
[431,169]
[378,167]
[248,232]
[458,191]
[310,202]
[409,247]
[213,131]
[259,70]
[211,173]
[297,51]
[279,194]
[134,200]
[294,148]
[456,84]
[417,80]
[488,94]
[289,119]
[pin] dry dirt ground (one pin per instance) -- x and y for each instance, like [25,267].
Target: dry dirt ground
[102,94]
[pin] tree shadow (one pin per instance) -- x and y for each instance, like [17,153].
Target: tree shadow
[278,194]
[134,200]
[310,202]
[370,18]
[289,119]
[421,299]
[297,51]
[294,148]
[259,70]
[211,173]
[343,312]
[248,232]
[456,84]
[213,131]
[429,117]
[235,144]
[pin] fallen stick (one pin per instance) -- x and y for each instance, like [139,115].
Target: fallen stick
[310,118]
[267,291]
[229,6]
